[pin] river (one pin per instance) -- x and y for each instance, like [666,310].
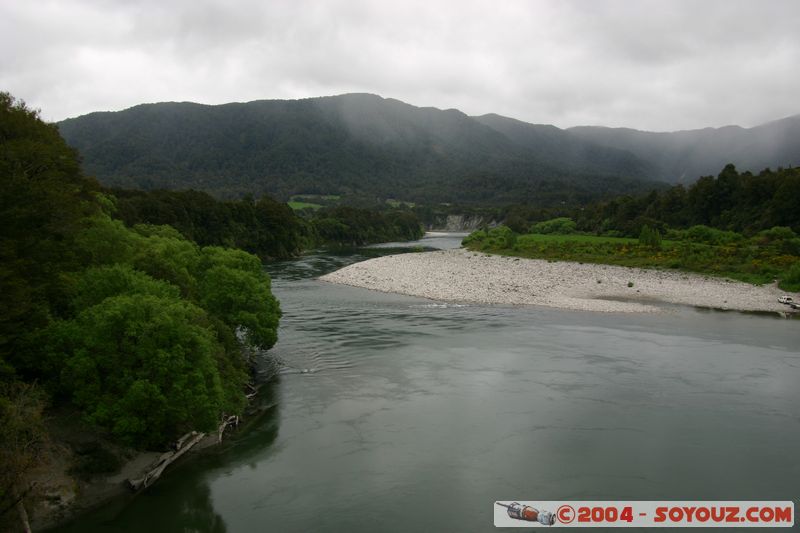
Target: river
[393,413]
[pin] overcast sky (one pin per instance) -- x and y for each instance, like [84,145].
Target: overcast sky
[657,65]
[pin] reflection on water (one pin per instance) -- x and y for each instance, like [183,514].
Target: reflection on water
[388,409]
[431,240]
[189,510]
[319,263]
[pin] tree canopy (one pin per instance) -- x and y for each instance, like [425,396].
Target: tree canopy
[136,326]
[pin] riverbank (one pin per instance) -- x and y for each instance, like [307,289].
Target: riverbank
[472,277]
[65,491]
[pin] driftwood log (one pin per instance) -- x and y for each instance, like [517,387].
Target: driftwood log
[23,516]
[253,392]
[183,445]
[232,420]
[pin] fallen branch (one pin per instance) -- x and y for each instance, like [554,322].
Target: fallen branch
[23,516]
[179,443]
[226,421]
[165,460]
[182,445]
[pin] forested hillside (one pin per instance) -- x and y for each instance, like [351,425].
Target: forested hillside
[344,145]
[682,156]
[731,201]
[359,144]
[560,149]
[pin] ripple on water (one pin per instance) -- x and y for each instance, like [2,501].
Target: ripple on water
[391,406]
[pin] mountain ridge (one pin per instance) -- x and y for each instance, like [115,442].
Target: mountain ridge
[362,143]
[685,155]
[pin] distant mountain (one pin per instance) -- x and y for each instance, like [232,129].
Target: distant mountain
[362,144]
[560,149]
[683,156]
[349,144]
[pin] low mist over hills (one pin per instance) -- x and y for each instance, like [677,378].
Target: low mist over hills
[365,144]
[683,156]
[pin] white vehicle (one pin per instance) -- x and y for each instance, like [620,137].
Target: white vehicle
[786,300]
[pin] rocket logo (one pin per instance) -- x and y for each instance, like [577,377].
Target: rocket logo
[528,513]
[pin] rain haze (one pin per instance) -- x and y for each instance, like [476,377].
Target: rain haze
[657,66]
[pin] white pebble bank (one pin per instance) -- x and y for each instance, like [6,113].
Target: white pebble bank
[465,276]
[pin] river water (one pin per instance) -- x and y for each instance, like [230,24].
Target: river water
[393,413]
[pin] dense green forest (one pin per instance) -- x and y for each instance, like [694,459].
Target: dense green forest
[138,329]
[743,226]
[742,202]
[264,227]
[359,144]
[345,145]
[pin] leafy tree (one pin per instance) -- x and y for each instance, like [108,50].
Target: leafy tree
[350,226]
[111,318]
[142,366]
[43,199]
[517,223]
[742,203]
[98,283]
[166,255]
[235,288]
[104,240]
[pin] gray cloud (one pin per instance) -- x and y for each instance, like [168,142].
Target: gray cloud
[646,64]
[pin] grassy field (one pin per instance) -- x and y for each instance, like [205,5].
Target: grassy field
[744,261]
[399,203]
[303,205]
[577,238]
[319,197]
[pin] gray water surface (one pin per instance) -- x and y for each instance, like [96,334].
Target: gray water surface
[393,413]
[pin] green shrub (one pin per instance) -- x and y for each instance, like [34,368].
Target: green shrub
[781,238]
[777,233]
[475,236]
[650,237]
[559,226]
[526,242]
[502,237]
[707,235]
[791,279]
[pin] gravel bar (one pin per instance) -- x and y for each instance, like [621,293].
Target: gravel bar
[471,277]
